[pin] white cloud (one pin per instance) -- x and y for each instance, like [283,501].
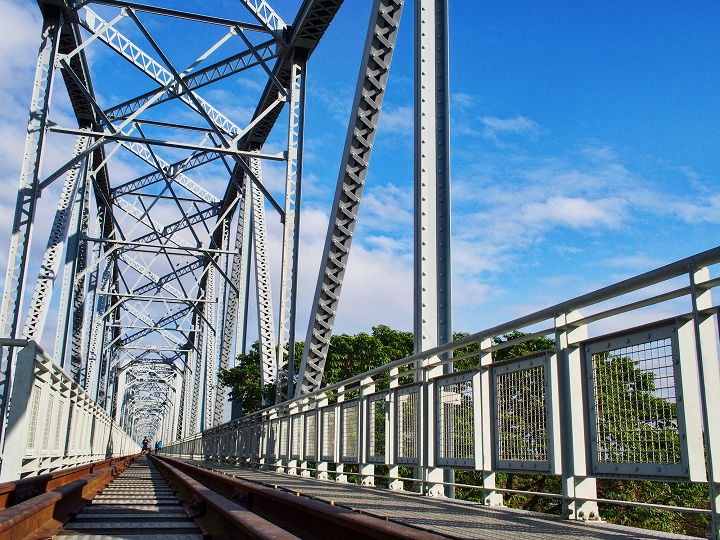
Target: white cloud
[576,212]
[397,120]
[519,124]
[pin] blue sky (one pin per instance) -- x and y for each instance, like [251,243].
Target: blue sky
[584,148]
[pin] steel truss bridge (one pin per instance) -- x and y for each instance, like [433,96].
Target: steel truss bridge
[151,278]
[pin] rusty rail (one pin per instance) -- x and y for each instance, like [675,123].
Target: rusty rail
[305,517]
[217,516]
[63,493]
[17,491]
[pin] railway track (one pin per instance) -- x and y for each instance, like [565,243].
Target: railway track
[152,498]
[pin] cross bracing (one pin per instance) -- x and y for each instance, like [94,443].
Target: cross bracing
[163,214]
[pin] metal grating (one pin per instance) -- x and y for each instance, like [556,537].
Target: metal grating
[48,423]
[376,429]
[521,415]
[32,427]
[328,435]
[295,436]
[284,424]
[636,418]
[408,404]
[310,435]
[350,425]
[456,434]
[58,425]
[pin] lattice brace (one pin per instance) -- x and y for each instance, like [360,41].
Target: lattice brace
[455,416]
[349,431]
[296,436]
[520,415]
[636,409]
[327,448]
[136,56]
[377,421]
[369,94]
[408,427]
[309,444]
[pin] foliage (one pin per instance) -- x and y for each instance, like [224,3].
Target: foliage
[244,381]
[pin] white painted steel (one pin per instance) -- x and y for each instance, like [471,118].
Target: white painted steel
[53,423]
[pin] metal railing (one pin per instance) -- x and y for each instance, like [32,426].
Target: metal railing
[52,423]
[631,402]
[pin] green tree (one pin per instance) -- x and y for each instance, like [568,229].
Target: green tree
[244,381]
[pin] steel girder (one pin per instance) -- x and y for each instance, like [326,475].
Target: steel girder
[268,366]
[27,200]
[112,303]
[369,93]
[291,230]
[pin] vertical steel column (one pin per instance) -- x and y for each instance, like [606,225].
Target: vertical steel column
[42,295]
[70,267]
[222,315]
[268,367]
[209,351]
[291,229]
[233,337]
[197,378]
[432,298]
[26,200]
[76,347]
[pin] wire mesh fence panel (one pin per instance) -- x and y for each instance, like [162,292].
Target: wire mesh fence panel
[376,428]
[520,413]
[456,432]
[310,431]
[408,416]
[295,436]
[350,421]
[327,451]
[633,395]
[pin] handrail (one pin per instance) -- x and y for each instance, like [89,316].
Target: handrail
[652,277]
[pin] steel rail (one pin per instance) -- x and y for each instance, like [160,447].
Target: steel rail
[216,515]
[58,496]
[309,518]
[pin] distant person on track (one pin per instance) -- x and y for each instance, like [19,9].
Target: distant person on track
[158,446]
[146,446]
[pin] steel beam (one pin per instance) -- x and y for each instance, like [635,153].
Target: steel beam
[377,56]
[20,241]
[291,229]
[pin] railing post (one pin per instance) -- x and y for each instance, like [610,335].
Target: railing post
[18,422]
[366,470]
[391,434]
[706,340]
[340,475]
[484,433]
[576,484]
[321,467]
[432,476]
